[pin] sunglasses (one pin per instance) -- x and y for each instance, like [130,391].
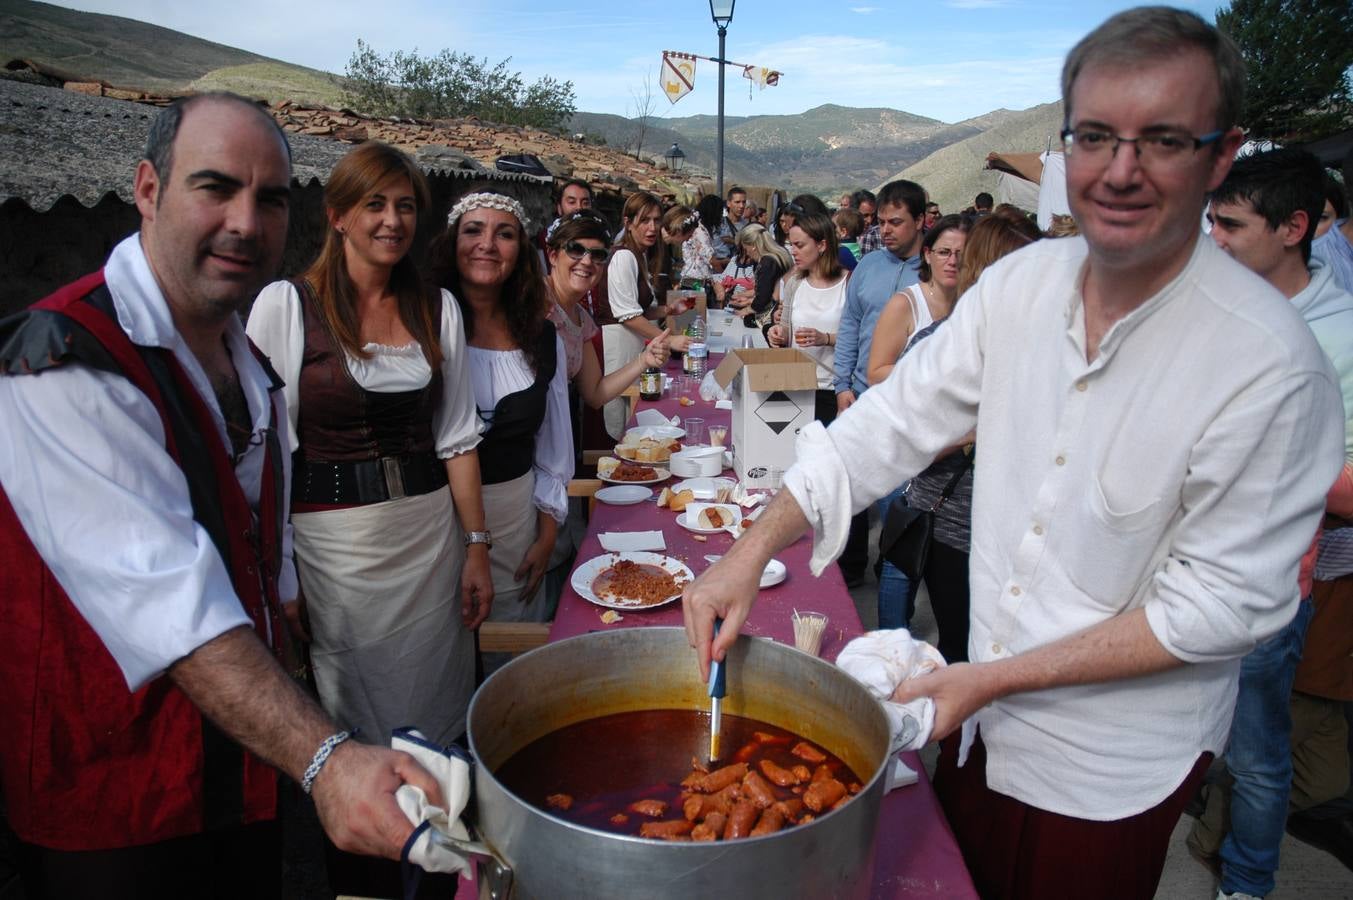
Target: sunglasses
[576,250]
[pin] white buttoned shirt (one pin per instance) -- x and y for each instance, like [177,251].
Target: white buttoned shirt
[1182,470]
[84,465]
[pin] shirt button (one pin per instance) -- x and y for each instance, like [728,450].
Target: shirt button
[1015,591]
[995,648]
[1080,385]
[1038,529]
[1061,460]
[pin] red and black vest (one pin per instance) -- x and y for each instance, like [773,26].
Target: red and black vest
[85,763]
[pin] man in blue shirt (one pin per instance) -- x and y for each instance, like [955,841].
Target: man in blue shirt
[879,275]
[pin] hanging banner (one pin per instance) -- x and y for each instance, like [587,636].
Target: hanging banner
[762,76]
[678,74]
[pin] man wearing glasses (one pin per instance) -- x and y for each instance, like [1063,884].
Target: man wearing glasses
[1159,429]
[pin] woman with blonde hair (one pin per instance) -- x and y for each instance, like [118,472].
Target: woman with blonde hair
[772,262]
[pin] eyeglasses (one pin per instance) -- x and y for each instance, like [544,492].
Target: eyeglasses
[576,250]
[1160,149]
[945,252]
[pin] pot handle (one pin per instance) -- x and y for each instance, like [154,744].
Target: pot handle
[494,875]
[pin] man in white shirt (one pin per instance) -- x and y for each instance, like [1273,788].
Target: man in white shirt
[1158,431]
[145,560]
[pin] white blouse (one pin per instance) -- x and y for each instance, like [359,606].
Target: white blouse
[622,285]
[497,373]
[275,324]
[819,308]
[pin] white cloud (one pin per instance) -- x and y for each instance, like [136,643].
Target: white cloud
[865,10]
[976,4]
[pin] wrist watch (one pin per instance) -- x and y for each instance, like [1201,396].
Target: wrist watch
[479,537]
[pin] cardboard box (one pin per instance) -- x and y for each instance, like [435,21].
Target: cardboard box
[772,393]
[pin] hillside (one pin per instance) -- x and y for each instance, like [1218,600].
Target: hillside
[127,53]
[955,174]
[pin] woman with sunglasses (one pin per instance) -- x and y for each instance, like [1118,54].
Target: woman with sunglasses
[577,253]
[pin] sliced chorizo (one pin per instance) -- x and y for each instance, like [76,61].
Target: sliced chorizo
[758,790]
[806,751]
[777,774]
[667,830]
[721,778]
[771,821]
[823,794]
[654,809]
[559,801]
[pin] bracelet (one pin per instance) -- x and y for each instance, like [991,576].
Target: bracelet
[321,756]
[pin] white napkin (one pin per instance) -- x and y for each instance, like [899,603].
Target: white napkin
[653,417]
[724,404]
[452,771]
[620,541]
[882,660]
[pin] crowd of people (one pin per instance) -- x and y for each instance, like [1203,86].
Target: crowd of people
[376,464]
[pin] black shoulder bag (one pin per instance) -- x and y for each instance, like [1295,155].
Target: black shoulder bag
[908,531]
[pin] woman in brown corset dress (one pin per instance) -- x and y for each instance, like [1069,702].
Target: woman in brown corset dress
[382,419]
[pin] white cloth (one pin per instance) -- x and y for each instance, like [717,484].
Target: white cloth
[452,771]
[881,661]
[84,465]
[621,541]
[382,586]
[819,308]
[497,373]
[1183,470]
[276,325]
[1052,200]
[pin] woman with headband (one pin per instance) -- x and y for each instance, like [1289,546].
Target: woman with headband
[519,373]
[382,420]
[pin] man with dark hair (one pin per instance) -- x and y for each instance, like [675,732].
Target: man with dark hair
[1158,431]
[727,236]
[145,557]
[569,197]
[1335,246]
[932,214]
[1264,215]
[866,204]
[982,204]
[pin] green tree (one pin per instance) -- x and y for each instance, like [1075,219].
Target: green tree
[453,85]
[1298,54]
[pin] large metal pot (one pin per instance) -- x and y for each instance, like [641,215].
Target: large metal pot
[653,668]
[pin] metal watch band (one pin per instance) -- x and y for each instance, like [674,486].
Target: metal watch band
[479,537]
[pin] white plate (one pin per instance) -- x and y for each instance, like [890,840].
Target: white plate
[585,574]
[663,475]
[626,494]
[657,431]
[704,488]
[731,510]
[774,573]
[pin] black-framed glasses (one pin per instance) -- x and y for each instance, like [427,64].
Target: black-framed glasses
[1158,148]
[576,250]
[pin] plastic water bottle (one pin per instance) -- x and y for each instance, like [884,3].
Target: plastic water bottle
[698,351]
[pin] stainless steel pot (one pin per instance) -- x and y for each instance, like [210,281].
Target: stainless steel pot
[591,675]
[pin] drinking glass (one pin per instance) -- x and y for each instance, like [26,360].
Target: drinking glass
[717,435]
[695,430]
[747,342]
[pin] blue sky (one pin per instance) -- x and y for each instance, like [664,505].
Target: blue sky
[947,59]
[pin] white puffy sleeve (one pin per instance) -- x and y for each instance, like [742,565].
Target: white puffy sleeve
[455,427]
[622,285]
[554,444]
[276,326]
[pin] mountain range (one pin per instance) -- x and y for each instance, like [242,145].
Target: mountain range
[825,150]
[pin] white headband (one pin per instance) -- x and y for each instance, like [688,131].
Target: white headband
[491,201]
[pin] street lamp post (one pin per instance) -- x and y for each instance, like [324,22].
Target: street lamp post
[676,158]
[722,13]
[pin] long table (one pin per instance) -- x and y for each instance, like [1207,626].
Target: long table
[915,853]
